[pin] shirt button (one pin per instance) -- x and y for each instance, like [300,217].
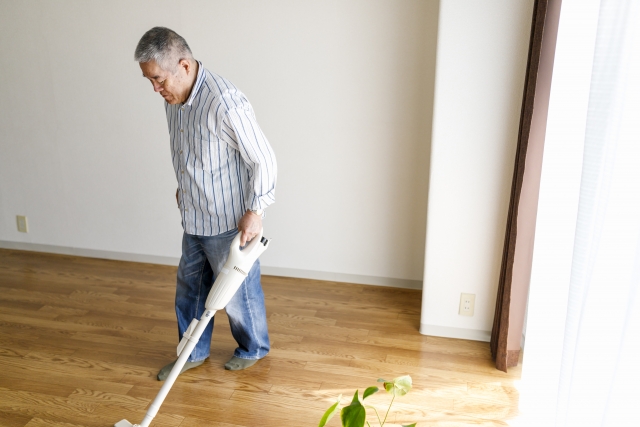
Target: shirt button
[180,130]
[186,210]
[182,171]
[180,151]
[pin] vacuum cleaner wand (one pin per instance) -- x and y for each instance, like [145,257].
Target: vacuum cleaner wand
[229,279]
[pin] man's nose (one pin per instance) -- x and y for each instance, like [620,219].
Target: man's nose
[157,87]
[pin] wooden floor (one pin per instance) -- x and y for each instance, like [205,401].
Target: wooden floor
[81,341]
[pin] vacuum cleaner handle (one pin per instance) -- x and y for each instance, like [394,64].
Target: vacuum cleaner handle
[235,270]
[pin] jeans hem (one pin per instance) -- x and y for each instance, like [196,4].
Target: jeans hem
[250,358]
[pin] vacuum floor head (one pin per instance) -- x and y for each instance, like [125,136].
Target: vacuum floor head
[124,423]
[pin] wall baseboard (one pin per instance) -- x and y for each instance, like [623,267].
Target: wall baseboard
[341,277]
[165,260]
[460,333]
[90,253]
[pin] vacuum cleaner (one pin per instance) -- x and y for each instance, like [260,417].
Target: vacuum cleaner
[231,276]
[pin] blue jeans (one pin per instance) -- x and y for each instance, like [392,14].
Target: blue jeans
[202,259]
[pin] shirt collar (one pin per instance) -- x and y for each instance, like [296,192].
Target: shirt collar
[197,84]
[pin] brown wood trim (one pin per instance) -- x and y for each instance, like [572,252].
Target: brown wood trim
[513,358]
[500,329]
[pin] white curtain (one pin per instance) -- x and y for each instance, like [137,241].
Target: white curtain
[599,382]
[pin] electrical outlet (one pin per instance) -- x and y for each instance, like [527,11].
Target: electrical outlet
[23,226]
[467,304]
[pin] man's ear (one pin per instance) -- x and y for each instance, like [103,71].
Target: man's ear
[186,65]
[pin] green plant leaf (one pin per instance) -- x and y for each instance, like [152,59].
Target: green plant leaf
[404,384]
[410,425]
[330,413]
[399,386]
[369,391]
[353,415]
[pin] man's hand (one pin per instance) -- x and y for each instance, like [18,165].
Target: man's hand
[250,225]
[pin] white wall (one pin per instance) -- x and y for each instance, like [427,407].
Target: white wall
[481,63]
[343,90]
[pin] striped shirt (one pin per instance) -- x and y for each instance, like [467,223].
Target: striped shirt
[223,162]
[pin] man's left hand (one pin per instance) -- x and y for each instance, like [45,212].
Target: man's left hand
[250,225]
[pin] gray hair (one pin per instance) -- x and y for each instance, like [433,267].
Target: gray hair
[164,46]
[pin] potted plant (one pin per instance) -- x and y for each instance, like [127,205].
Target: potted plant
[355,414]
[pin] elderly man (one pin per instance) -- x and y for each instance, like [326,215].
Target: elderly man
[226,173]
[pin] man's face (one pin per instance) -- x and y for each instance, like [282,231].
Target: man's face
[173,87]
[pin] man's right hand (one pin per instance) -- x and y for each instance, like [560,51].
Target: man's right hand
[177,200]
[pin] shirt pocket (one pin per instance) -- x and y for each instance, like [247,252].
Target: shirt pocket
[205,153]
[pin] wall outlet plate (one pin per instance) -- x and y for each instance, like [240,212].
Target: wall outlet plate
[467,304]
[23,226]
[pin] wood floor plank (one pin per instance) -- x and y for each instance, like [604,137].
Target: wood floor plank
[11,418]
[289,377]
[62,381]
[274,308]
[481,365]
[408,414]
[43,405]
[422,345]
[19,308]
[34,386]
[81,342]
[296,321]
[239,412]
[279,404]
[439,376]
[389,326]
[109,304]
[482,408]
[57,282]
[311,329]
[114,400]
[111,356]
[185,392]
[197,422]
[40,422]
[69,365]
[279,337]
